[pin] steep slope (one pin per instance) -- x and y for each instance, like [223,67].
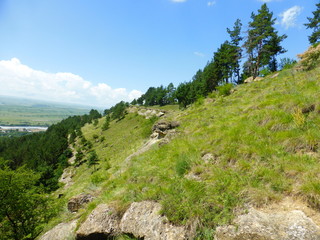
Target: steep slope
[250,149]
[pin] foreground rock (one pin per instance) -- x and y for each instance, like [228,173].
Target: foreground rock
[143,220]
[78,202]
[257,225]
[61,232]
[101,223]
[251,79]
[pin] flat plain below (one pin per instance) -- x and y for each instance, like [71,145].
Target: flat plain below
[26,112]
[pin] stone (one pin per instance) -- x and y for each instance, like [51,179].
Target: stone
[160,114]
[77,202]
[248,80]
[163,126]
[251,79]
[258,225]
[308,109]
[61,232]
[143,220]
[101,223]
[66,177]
[257,79]
[208,157]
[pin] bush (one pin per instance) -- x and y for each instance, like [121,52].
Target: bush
[225,89]
[287,63]
[309,59]
[264,72]
[182,166]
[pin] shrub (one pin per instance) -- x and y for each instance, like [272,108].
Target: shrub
[182,166]
[309,59]
[286,63]
[225,89]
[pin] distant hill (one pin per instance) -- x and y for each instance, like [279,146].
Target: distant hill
[20,111]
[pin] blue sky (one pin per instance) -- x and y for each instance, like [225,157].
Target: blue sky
[99,52]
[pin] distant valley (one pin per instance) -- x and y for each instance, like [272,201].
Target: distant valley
[27,112]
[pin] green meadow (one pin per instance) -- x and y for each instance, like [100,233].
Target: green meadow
[15,111]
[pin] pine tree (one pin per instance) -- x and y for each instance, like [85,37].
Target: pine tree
[93,159]
[106,124]
[236,49]
[314,23]
[263,43]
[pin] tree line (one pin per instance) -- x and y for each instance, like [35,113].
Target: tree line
[260,47]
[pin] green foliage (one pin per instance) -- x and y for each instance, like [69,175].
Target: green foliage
[310,59]
[24,206]
[95,122]
[286,63]
[314,24]
[79,157]
[182,165]
[93,159]
[106,123]
[265,72]
[158,96]
[225,89]
[118,111]
[263,42]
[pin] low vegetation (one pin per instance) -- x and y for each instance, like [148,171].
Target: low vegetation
[262,143]
[236,146]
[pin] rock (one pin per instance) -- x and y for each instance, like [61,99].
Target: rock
[143,220]
[163,126]
[208,157]
[283,225]
[61,231]
[160,114]
[248,80]
[308,109]
[101,223]
[275,75]
[77,202]
[174,124]
[257,79]
[251,79]
[66,177]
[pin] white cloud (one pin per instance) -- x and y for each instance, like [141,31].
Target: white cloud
[199,54]
[20,80]
[289,16]
[267,1]
[211,3]
[178,1]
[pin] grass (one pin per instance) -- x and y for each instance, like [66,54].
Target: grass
[264,144]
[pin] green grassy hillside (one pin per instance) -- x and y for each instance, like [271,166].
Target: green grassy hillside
[255,146]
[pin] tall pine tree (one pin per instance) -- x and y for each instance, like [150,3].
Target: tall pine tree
[236,49]
[314,23]
[263,43]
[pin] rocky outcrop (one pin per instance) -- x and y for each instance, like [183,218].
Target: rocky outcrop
[66,177]
[147,113]
[163,128]
[77,202]
[61,232]
[251,79]
[143,220]
[101,223]
[257,225]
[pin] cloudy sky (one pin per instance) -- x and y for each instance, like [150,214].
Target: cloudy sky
[100,52]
